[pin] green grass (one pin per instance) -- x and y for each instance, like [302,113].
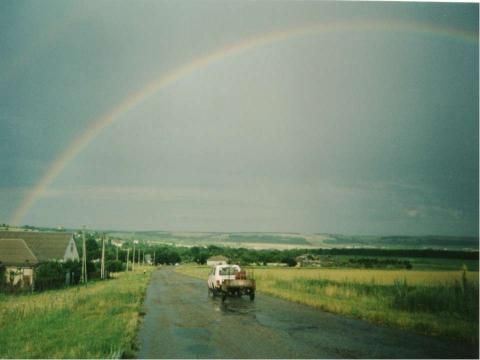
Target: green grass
[421,263]
[443,264]
[437,303]
[99,320]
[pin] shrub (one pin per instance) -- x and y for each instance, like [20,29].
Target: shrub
[74,269]
[290,261]
[379,263]
[201,259]
[92,268]
[49,275]
[113,266]
[2,274]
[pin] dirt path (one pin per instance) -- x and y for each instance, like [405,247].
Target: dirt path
[181,321]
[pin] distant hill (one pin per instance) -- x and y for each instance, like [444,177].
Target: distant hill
[430,241]
[292,240]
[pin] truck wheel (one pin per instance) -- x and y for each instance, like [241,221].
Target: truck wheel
[252,296]
[224,296]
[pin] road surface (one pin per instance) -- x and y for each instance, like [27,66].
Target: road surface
[182,321]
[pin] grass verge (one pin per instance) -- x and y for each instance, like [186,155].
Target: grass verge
[98,320]
[437,303]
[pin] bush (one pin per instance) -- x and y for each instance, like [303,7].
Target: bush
[49,275]
[113,266]
[167,255]
[2,274]
[201,259]
[379,263]
[92,268]
[290,261]
[74,268]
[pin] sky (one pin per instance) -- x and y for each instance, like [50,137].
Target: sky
[369,126]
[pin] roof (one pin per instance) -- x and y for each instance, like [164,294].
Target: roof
[44,245]
[217,258]
[16,252]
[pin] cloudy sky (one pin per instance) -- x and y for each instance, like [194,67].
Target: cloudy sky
[369,126]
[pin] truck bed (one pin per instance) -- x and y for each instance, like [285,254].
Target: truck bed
[229,285]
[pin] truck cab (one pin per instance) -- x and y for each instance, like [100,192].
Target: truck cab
[219,273]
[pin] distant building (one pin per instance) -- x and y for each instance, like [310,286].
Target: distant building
[310,260]
[21,252]
[276,264]
[148,259]
[117,243]
[217,260]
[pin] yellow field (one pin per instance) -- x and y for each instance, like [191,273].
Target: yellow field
[423,301]
[381,277]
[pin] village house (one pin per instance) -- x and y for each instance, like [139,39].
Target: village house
[311,260]
[22,251]
[217,260]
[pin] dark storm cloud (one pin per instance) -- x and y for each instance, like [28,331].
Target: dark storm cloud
[354,132]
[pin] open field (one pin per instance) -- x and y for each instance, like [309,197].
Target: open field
[443,264]
[441,303]
[425,263]
[99,320]
[280,241]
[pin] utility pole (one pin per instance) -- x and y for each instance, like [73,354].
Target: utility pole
[84,258]
[102,267]
[133,257]
[128,255]
[153,257]
[117,252]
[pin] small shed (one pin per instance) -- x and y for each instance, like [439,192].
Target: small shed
[217,260]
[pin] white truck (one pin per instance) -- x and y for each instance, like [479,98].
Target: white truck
[230,280]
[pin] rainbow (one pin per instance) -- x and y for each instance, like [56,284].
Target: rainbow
[178,73]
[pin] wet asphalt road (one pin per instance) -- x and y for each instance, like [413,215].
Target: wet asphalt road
[182,321]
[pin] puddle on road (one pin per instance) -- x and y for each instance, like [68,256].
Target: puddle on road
[193,332]
[234,306]
[238,306]
[303,328]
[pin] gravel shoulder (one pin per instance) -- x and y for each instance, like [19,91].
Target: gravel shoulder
[182,321]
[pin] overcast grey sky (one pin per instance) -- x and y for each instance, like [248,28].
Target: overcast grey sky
[356,132]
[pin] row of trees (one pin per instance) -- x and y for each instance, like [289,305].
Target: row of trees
[168,254]
[55,274]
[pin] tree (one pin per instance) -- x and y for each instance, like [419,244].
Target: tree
[290,261]
[114,266]
[2,273]
[167,255]
[49,275]
[202,258]
[74,268]
[93,249]
[173,257]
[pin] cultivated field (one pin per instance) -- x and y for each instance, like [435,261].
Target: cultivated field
[282,241]
[95,321]
[443,303]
